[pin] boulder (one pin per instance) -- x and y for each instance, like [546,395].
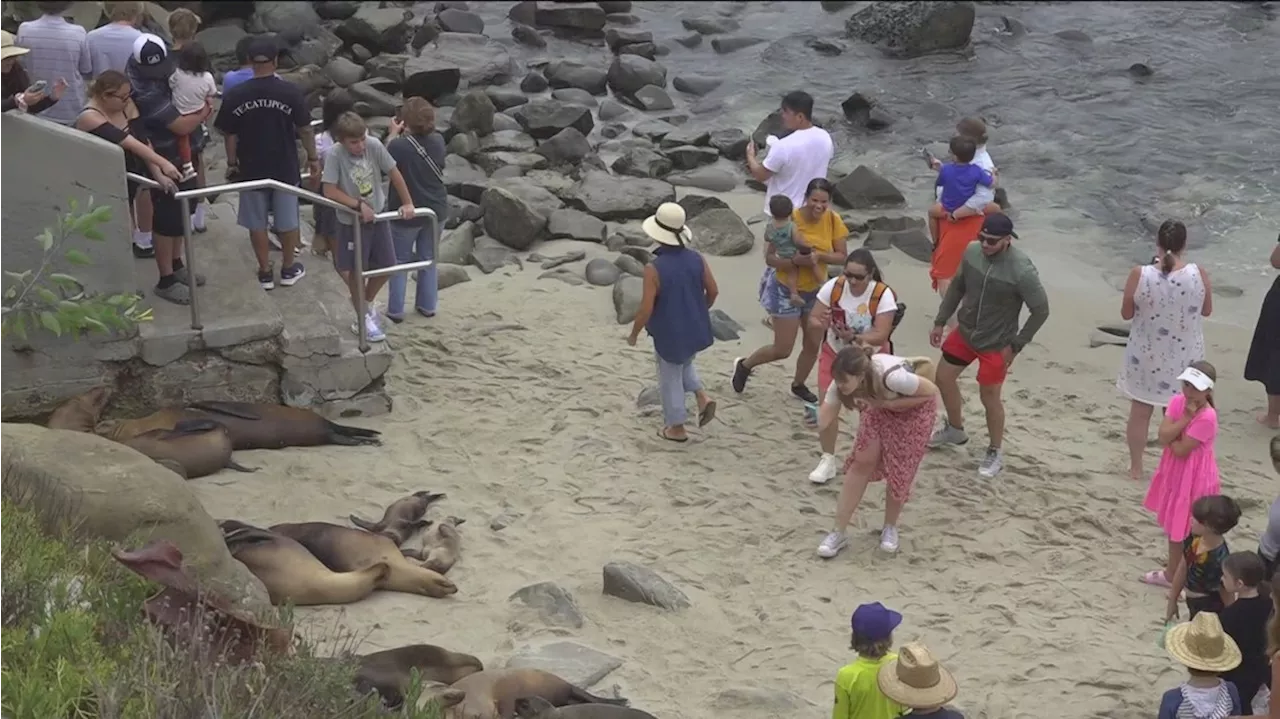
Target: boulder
[508,141]
[731,142]
[552,602]
[721,232]
[585,17]
[503,98]
[575,95]
[613,7]
[490,255]
[462,179]
[378,102]
[461,210]
[336,9]
[278,17]
[566,148]
[570,73]
[726,45]
[723,327]
[474,113]
[629,265]
[635,583]
[695,205]
[696,85]
[343,72]
[704,178]
[651,98]
[629,73]
[684,136]
[690,41]
[572,662]
[710,25]
[379,29]
[615,37]
[688,157]
[647,50]
[533,82]
[602,273]
[544,118]
[464,144]
[389,67]
[908,234]
[573,224]
[542,200]
[627,292]
[864,189]
[550,263]
[449,275]
[642,162]
[527,36]
[480,60]
[456,244]
[619,198]
[115,493]
[219,42]
[308,78]
[455,20]
[510,220]
[914,27]
[611,110]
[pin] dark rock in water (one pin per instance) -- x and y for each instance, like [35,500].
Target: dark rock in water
[426,33]
[697,85]
[689,157]
[647,50]
[502,98]
[653,129]
[336,10]
[914,27]
[615,6]
[857,106]
[544,118]
[710,25]
[550,263]
[602,273]
[695,205]
[569,224]
[616,38]
[554,603]
[651,98]
[723,327]
[490,255]
[1073,36]
[380,30]
[691,40]
[721,232]
[613,129]
[534,82]
[1141,70]
[569,73]
[635,583]
[573,94]
[629,73]
[452,20]
[834,5]
[627,292]
[508,141]
[449,275]
[527,36]
[711,179]
[629,265]
[619,198]
[865,189]
[611,110]
[566,148]
[684,136]
[510,220]
[581,16]
[642,162]
[474,113]
[726,45]
[731,142]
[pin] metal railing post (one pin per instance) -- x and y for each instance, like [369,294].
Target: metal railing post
[358,278]
[190,264]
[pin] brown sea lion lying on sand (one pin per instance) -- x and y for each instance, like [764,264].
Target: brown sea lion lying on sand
[441,547]
[200,446]
[80,413]
[538,708]
[389,672]
[492,694]
[402,518]
[252,426]
[344,549]
[290,573]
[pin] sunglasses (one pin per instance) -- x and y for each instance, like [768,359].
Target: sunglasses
[989,240]
[855,276]
[122,96]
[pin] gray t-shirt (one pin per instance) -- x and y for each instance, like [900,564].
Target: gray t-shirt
[1269,542]
[426,186]
[361,177]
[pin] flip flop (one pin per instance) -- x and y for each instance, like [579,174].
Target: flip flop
[1155,578]
[662,434]
[707,413]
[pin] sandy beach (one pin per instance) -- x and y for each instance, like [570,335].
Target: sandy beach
[519,401]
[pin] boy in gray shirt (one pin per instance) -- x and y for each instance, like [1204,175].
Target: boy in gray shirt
[354,169]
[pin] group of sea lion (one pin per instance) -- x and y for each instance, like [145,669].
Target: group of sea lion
[197,439]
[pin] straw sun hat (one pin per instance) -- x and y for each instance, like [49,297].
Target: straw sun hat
[1201,644]
[916,680]
[666,226]
[8,47]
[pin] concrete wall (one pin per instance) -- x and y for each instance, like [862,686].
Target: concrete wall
[44,166]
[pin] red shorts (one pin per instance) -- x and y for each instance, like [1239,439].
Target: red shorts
[991,368]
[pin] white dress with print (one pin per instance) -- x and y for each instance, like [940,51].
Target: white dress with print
[1167,334]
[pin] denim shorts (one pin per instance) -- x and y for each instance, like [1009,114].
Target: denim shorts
[256,204]
[776,299]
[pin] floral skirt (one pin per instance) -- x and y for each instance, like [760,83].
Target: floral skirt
[904,440]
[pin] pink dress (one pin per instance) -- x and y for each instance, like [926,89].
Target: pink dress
[1180,481]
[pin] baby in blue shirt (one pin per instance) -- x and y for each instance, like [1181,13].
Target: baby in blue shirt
[959,181]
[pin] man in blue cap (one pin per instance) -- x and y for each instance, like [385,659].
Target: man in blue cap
[858,694]
[994,281]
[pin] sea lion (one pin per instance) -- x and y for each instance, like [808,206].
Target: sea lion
[389,672]
[442,546]
[539,708]
[492,693]
[442,695]
[344,549]
[290,573]
[80,413]
[402,518]
[252,426]
[202,447]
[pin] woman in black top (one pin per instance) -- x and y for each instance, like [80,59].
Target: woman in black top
[14,82]
[419,153]
[1263,364]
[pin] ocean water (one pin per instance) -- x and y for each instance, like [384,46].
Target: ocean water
[1092,157]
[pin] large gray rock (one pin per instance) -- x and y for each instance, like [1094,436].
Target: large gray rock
[472,59]
[721,232]
[865,189]
[689,157]
[379,103]
[474,113]
[511,220]
[379,29]
[611,110]
[601,272]
[627,292]
[389,67]
[731,142]
[456,244]
[503,98]
[914,27]
[724,327]
[710,25]
[336,9]
[533,82]
[695,205]
[712,179]
[629,265]
[615,38]
[553,603]
[544,118]
[344,72]
[490,255]
[463,179]
[570,224]
[650,98]
[508,141]
[629,73]
[566,148]
[635,583]
[219,42]
[620,198]
[449,275]
[642,162]
[696,85]
[586,17]
[456,20]
[278,17]
[572,662]
[573,94]
[685,136]
[570,73]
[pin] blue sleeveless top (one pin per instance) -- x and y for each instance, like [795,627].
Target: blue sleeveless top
[681,323]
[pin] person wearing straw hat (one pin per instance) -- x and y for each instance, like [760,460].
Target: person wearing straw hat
[18,91]
[1206,651]
[679,290]
[918,682]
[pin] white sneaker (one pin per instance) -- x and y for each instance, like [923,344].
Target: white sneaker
[826,470]
[992,463]
[372,328]
[948,435]
[889,539]
[832,545]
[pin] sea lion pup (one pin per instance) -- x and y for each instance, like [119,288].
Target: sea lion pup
[344,549]
[290,573]
[272,426]
[202,447]
[442,546]
[80,413]
[492,693]
[538,708]
[389,672]
[402,518]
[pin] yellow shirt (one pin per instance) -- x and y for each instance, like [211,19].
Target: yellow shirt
[858,695]
[821,236]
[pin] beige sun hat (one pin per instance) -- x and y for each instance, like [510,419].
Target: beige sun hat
[916,680]
[1201,644]
[8,48]
[666,226]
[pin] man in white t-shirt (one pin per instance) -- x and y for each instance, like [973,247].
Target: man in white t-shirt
[796,159]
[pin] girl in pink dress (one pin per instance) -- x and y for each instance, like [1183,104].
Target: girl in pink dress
[1188,469]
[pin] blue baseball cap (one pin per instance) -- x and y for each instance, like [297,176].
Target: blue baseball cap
[874,621]
[998,226]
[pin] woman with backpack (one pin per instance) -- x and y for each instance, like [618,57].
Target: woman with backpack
[857,307]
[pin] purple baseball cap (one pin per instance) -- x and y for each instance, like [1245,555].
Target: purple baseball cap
[874,621]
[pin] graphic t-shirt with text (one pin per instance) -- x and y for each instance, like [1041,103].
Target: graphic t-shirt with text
[264,114]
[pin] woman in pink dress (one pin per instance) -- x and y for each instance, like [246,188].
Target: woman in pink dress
[1188,469]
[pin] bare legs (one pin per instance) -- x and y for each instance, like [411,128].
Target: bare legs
[785,330]
[1136,434]
[810,346]
[1271,418]
[861,470]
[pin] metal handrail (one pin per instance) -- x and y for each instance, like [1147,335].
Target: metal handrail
[361,304]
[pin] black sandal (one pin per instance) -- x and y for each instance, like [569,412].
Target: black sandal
[707,413]
[662,433]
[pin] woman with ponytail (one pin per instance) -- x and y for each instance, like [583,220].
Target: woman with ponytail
[1167,300]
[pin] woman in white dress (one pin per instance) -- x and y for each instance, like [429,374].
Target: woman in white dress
[1167,301]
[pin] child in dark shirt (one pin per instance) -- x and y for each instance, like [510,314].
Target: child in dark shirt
[1245,621]
[918,682]
[1203,552]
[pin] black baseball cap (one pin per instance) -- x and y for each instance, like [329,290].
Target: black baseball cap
[998,226]
[263,48]
[151,57]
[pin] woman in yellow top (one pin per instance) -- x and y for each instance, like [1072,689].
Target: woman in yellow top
[826,233]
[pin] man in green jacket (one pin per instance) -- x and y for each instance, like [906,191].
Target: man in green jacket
[994,281]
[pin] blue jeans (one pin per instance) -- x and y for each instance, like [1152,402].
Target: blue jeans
[413,244]
[674,382]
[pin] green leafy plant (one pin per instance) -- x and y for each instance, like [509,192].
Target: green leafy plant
[58,302]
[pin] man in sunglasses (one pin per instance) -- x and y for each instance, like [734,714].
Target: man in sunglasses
[994,281]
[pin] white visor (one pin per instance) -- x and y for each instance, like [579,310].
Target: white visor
[1196,378]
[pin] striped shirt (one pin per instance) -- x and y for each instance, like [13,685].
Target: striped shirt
[59,49]
[111,45]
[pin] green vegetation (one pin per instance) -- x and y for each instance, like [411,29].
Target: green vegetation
[58,302]
[76,646]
